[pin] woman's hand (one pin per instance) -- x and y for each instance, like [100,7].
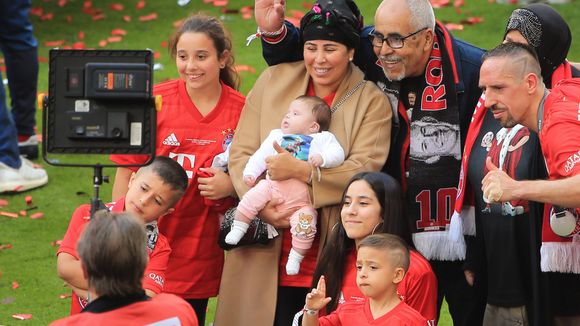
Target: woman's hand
[271,215]
[269,14]
[217,186]
[284,166]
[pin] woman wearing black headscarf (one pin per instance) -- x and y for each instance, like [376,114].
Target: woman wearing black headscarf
[542,27]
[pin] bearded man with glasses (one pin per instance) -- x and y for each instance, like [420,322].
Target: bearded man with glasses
[419,65]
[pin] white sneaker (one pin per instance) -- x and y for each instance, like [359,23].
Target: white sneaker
[29,148]
[27,177]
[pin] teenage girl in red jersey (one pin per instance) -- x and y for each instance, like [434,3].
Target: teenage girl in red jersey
[372,203]
[199,115]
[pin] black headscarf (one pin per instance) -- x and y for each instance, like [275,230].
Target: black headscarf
[334,20]
[546,31]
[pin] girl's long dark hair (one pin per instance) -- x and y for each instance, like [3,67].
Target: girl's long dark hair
[215,30]
[334,255]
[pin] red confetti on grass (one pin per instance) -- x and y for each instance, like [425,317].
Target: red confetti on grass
[473,20]
[36,11]
[62,3]
[22,213]
[8,214]
[103,43]
[140,5]
[48,16]
[156,55]
[81,35]
[15,285]
[56,243]
[37,216]
[114,39]
[164,44]
[28,200]
[54,43]
[79,45]
[118,32]
[87,4]
[22,316]
[146,18]
[116,6]
[69,19]
[454,27]
[65,296]
[99,17]
[240,68]
[127,18]
[306,5]
[3,202]
[5,246]
[220,3]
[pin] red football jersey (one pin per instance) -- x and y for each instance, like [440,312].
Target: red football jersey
[164,309]
[560,130]
[358,313]
[154,276]
[418,289]
[196,261]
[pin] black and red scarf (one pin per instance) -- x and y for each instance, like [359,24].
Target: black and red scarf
[432,148]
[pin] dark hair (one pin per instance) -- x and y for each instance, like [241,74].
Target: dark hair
[113,251]
[214,29]
[395,221]
[396,247]
[171,173]
[320,110]
[516,52]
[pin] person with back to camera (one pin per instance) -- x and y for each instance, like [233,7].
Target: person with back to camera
[303,132]
[372,204]
[381,263]
[509,234]
[197,122]
[153,192]
[431,79]
[360,123]
[113,255]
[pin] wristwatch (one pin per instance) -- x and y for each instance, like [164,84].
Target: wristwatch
[310,311]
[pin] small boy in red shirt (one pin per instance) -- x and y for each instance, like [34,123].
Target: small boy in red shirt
[153,191]
[382,261]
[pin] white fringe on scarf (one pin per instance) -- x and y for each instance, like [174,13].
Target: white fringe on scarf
[462,224]
[437,245]
[563,257]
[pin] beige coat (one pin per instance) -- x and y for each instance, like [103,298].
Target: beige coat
[362,125]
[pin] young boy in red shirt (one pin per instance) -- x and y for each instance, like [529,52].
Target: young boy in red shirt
[153,191]
[382,261]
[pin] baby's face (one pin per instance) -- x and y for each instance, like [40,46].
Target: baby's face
[299,119]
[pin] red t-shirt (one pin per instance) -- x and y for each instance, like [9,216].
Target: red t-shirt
[418,288]
[308,265]
[560,130]
[164,309]
[154,276]
[196,262]
[358,313]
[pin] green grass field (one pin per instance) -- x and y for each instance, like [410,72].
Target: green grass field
[30,261]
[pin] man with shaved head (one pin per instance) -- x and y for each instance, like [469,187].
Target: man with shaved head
[515,92]
[430,77]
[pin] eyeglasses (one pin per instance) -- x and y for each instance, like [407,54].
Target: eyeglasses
[395,41]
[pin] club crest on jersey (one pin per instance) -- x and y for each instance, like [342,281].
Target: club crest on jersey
[171,140]
[228,136]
